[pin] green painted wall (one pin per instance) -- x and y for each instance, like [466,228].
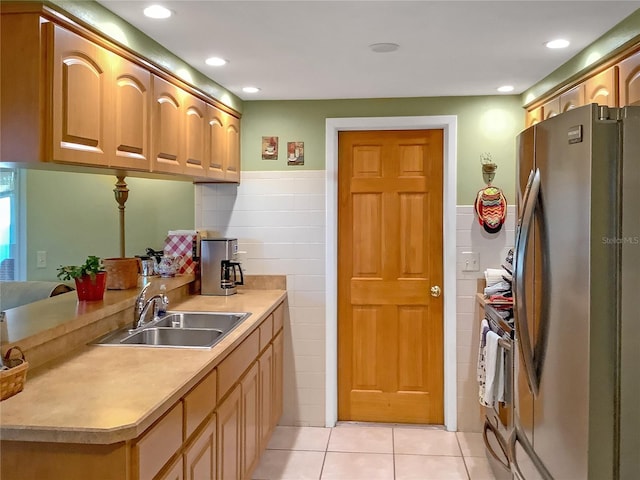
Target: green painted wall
[485,124]
[73,215]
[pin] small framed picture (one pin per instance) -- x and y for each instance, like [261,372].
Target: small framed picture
[269,148]
[295,153]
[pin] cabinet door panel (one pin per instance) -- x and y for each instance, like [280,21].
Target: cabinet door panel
[250,420]
[166,124]
[551,108]
[195,136]
[216,138]
[199,403]
[630,80]
[278,373]
[534,116]
[229,436]
[174,473]
[131,90]
[158,444]
[232,165]
[80,95]
[266,395]
[200,457]
[602,88]
[572,98]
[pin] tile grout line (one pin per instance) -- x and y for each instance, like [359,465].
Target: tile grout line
[393,450]
[464,458]
[326,449]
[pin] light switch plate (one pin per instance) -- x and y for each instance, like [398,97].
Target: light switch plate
[41,259]
[470,261]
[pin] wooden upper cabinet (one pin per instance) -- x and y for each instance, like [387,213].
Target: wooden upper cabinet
[602,88]
[232,167]
[533,116]
[167,145]
[224,145]
[216,138]
[81,120]
[132,96]
[551,108]
[572,98]
[195,136]
[629,71]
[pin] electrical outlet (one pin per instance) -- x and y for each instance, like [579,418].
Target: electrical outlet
[41,259]
[470,261]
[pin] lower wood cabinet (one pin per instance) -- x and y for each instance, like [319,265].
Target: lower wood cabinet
[217,430]
[200,456]
[176,472]
[266,375]
[230,435]
[278,376]
[155,447]
[250,420]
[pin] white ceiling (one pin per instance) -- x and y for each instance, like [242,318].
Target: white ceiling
[319,49]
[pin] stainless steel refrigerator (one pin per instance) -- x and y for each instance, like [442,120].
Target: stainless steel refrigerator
[577,297]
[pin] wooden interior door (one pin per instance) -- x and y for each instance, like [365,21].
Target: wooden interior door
[390,327]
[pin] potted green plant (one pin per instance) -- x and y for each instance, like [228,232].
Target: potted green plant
[90,278]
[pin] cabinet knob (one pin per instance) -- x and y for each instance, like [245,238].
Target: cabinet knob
[435,291]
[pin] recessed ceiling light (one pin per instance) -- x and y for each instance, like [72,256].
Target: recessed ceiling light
[384,47]
[157,11]
[216,61]
[558,43]
[250,89]
[505,88]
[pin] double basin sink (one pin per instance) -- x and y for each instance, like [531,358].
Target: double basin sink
[178,330]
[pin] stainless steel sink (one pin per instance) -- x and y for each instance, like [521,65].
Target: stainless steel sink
[174,337]
[178,330]
[218,320]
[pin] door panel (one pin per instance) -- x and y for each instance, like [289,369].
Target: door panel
[80,94]
[131,118]
[390,349]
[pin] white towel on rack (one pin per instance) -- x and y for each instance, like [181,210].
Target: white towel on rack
[495,275]
[499,396]
[482,348]
[492,370]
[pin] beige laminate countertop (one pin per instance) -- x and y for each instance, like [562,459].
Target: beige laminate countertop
[107,394]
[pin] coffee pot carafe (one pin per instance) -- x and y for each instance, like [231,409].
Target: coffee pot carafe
[230,274]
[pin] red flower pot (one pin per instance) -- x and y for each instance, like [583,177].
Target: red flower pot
[90,289]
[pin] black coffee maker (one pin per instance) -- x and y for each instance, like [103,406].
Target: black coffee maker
[220,269]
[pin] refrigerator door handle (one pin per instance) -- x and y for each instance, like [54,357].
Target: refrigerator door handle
[518,437]
[501,443]
[531,197]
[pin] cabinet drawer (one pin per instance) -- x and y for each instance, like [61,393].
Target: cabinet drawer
[158,444]
[232,367]
[266,332]
[199,403]
[278,318]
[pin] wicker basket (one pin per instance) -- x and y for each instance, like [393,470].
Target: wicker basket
[122,273]
[12,380]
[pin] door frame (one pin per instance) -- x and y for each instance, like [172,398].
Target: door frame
[448,123]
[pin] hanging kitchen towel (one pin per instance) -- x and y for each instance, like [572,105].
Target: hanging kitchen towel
[492,372]
[481,372]
[183,243]
[491,207]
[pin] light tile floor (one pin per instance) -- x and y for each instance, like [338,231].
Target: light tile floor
[372,452]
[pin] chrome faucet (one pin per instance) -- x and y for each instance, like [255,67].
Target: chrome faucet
[159,301]
[139,304]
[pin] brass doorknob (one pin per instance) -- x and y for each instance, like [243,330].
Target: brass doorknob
[435,291]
